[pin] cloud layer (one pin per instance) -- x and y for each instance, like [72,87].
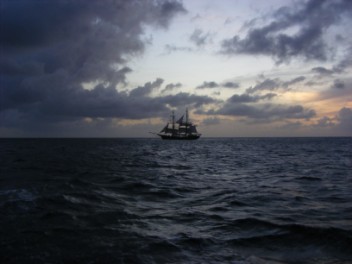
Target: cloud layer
[53,49]
[67,65]
[312,19]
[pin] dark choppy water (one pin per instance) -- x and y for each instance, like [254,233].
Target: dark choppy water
[242,201]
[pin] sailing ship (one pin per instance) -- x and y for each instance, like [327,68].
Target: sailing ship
[181,130]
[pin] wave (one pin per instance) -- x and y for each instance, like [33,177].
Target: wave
[293,240]
[309,178]
[243,201]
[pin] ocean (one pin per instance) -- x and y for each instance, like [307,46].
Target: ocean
[233,200]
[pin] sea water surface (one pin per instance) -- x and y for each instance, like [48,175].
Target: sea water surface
[239,200]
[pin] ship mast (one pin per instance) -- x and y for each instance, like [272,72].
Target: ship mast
[173,122]
[186,120]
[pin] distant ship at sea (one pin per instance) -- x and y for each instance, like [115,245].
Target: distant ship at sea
[179,130]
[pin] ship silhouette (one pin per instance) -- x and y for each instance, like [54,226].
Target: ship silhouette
[179,130]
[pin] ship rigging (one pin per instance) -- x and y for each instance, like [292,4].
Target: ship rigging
[179,130]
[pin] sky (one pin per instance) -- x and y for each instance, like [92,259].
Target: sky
[117,68]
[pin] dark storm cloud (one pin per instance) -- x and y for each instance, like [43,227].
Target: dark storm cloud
[182,99]
[344,118]
[246,98]
[274,84]
[324,122]
[322,71]
[171,86]
[312,18]
[340,67]
[199,38]
[105,102]
[233,85]
[212,84]
[147,88]
[338,84]
[264,111]
[206,85]
[144,107]
[51,48]
[250,106]
[339,89]
[266,85]
[41,17]
[293,81]
[344,63]
[341,124]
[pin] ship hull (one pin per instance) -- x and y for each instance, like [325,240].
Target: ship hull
[176,137]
